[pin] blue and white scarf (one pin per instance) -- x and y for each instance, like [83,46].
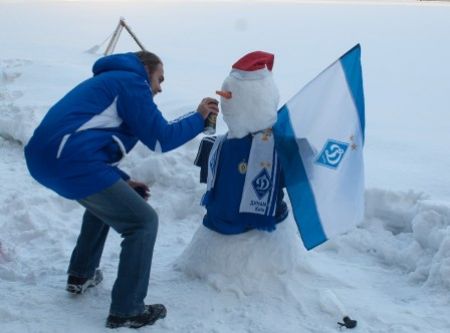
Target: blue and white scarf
[259,194]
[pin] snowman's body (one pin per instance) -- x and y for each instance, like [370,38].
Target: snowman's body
[223,207]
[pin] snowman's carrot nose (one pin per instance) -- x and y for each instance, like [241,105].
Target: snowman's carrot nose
[224,94]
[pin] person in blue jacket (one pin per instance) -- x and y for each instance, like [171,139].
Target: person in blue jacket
[75,151]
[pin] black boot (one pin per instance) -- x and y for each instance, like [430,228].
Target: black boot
[76,285]
[150,315]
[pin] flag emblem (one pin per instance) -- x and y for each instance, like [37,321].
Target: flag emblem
[262,184]
[332,153]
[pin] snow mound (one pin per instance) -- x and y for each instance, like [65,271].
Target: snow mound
[409,232]
[17,122]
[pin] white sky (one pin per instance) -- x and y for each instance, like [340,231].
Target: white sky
[361,2]
[244,1]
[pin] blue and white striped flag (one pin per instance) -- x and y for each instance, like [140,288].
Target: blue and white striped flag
[319,137]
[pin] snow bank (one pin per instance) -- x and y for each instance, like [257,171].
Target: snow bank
[27,90]
[32,240]
[404,230]
[13,123]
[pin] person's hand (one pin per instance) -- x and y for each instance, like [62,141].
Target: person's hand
[208,105]
[142,189]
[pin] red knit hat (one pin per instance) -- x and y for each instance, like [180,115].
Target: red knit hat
[254,61]
[249,67]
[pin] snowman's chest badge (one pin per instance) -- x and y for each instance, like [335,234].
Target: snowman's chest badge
[242,167]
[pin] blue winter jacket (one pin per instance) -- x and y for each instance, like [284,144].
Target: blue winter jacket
[75,149]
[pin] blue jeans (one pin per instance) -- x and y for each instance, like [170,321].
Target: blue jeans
[122,209]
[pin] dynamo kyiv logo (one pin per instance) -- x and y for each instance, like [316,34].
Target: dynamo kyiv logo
[262,184]
[332,153]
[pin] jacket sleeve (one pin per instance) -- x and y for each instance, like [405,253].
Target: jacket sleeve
[140,113]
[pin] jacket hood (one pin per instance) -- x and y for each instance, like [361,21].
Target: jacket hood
[120,62]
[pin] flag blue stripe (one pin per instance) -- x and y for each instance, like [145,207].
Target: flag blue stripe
[271,201]
[351,63]
[299,189]
[274,175]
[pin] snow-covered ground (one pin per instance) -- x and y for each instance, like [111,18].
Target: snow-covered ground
[392,274]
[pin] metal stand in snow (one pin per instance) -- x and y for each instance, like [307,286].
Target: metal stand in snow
[112,43]
[114,38]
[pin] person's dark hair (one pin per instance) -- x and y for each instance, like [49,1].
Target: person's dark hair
[150,60]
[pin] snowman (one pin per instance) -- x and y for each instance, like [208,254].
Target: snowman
[246,233]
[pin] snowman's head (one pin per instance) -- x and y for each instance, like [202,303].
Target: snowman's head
[249,96]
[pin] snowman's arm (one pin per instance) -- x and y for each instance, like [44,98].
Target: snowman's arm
[203,156]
